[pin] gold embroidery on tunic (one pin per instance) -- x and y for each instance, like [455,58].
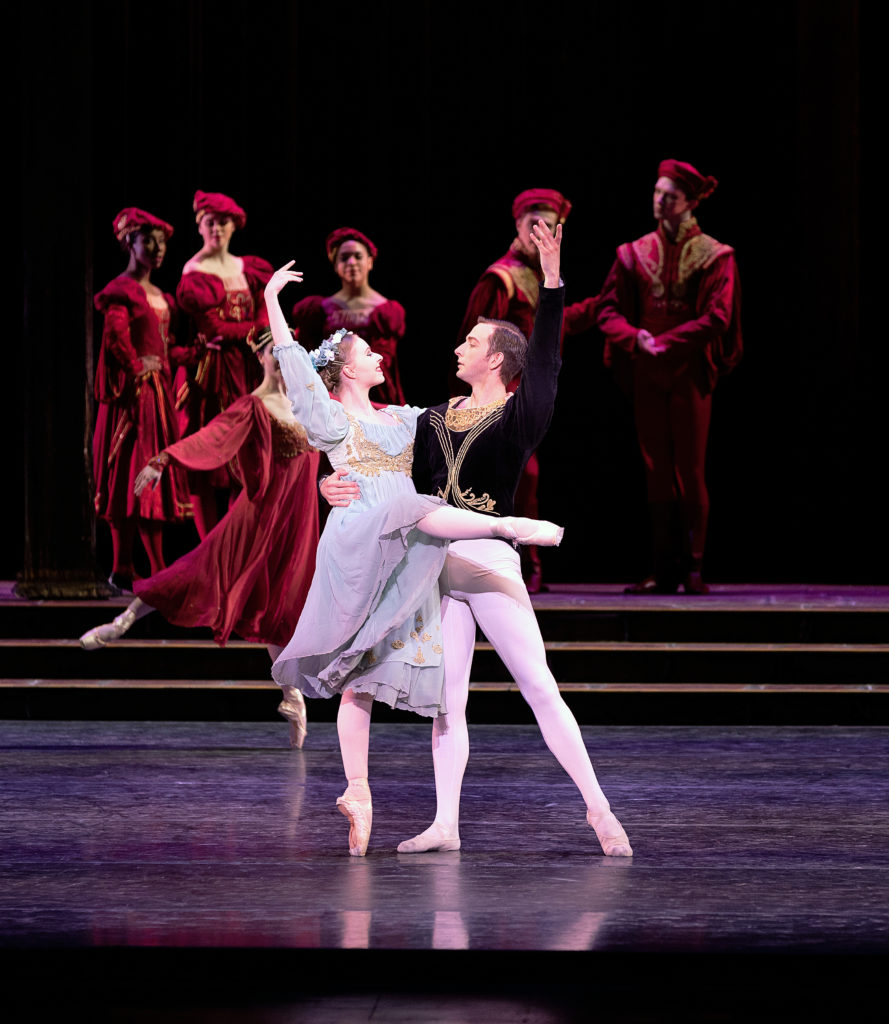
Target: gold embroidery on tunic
[415,635]
[420,660]
[370,459]
[426,638]
[436,648]
[397,644]
[419,621]
[464,419]
[464,497]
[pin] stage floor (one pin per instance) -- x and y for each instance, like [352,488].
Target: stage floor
[153,854]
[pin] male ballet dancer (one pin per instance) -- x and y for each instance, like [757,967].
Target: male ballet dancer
[471,451]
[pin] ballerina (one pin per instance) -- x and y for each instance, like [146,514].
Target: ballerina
[250,574]
[371,626]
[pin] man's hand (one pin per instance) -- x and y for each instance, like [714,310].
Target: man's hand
[150,364]
[648,343]
[549,248]
[337,491]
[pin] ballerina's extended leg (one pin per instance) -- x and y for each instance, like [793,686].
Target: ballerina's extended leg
[100,636]
[461,524]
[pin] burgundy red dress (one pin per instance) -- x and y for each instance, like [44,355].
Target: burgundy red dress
[251,573]
[136,417]
[315,318]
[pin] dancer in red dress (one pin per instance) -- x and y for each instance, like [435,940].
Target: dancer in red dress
[357,307]
[509,290]
[250,575]
[134,389]
[222,294]
[670,311]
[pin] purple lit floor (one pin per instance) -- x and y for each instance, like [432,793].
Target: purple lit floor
[159,869]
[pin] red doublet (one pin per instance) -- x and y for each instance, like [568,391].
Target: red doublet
[686,293]
[136,416]
[250,575]
[315,318]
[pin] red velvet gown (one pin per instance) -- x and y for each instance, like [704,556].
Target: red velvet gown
[251,573]
[228,313]
[315,318]
[136,417]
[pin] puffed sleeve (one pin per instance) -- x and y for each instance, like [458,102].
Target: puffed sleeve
[324,419]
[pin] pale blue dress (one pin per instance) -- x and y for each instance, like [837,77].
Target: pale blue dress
[372,619]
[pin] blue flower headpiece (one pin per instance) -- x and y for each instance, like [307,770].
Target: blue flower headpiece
[328,350]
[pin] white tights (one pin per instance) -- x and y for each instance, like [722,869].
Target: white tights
[353,717]
[482,583]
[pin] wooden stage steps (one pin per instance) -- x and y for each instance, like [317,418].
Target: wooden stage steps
[803,646]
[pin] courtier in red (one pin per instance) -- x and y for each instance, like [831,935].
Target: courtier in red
[134,389]
[509,290]
[670,312]
[356,307]
[222,295]
[250,575]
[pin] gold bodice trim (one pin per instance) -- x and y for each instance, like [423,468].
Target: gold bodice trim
[369,459]
[288,439]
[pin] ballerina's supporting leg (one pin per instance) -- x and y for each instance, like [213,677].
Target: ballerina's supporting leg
[353,729]
[99,636]
[450,523]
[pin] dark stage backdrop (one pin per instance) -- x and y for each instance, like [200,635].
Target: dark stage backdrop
[418,124]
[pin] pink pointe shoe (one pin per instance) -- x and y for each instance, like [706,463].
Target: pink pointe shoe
[100,636]
[356,805]
[293,708]
[610,834]
[538,532]
[434,840]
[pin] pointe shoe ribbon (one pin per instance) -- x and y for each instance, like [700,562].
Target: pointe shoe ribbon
[293,708]
[434,840]
[356,805]
[611,835]
[99,636]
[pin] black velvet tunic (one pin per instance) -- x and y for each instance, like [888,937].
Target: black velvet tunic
[473,458]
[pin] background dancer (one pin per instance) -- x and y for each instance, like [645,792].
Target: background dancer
[371,626]
[670,310]
[357,307]
[134,389]
[477,446]
[250,575]
[222,294]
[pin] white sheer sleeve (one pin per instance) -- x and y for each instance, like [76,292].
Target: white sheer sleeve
[323,418]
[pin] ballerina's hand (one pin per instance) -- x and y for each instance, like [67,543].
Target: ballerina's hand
[148,475]
[282,277]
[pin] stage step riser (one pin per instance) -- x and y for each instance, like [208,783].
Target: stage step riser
[673,663]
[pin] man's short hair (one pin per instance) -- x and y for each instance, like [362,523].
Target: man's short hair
[509,340]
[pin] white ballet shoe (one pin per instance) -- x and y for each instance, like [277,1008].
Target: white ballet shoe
[538,532]
[356,805]
[610,834]
[99,636]
[293,708]
[434,840]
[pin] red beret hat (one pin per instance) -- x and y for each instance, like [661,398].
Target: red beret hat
[336,238]
[534,197]
[688,178]
[216,202]
[131,218]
